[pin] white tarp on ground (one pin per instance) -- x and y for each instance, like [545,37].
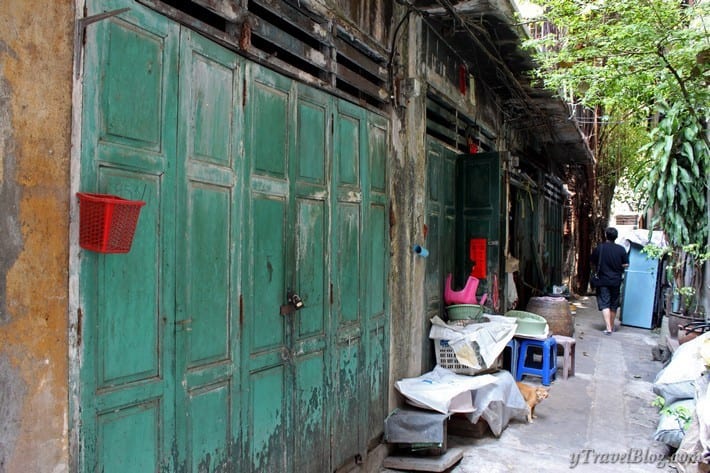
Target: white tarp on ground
[492,397]
[442,390]
[487,339]
[498,402]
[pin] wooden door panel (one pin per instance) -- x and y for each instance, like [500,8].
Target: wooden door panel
[267,419]
[349,279]
[375,271]
[348,402]
[311,273]
[436,239]
[377,283]
[268,355]
[208,225]
[311,412]
[267,274]
[127,302]
[189,365]
[269,123]
[377,153]
[208,269]
[347,255]
[479,206]
[213,105]
[348,147]
[268,278]
[310,325]
[376,380]
[309,186]
[129,326]
[376,377]
[134,78]
[208,428]
[130,438]
[311,142]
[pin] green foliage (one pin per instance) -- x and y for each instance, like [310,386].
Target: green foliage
[681,260]
[679,168]
[617,158]
[659,402]
[681,413]
[646,60]
[623,54]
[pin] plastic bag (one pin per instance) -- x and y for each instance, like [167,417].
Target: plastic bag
[677,380]
[442,390]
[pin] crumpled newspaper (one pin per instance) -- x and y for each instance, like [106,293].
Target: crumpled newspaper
[476,342]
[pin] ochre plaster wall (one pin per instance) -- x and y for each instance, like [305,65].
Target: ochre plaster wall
[36,47]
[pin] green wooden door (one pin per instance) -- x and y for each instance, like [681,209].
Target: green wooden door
[441,219]
[288,210]
[255,185]
[479,211]
[310,325]
[267,349]
[359,269]
[375,270]
[316,218]
[208,223]
[161,324]
[348,259]
[128,300]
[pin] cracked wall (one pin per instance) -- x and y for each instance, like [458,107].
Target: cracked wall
[35,128]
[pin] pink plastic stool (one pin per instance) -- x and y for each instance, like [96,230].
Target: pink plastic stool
[465,296]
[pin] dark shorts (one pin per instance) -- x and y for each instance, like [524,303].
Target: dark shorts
[608,297]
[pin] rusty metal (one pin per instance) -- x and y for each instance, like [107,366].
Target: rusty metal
[80,32]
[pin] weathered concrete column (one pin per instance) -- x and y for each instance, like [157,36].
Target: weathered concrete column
[408,187]
[36,50]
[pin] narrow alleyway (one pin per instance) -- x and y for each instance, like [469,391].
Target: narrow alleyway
[603,411]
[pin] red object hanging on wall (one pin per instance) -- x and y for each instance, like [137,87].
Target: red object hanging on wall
[107,223]
[477,252]
[463,83]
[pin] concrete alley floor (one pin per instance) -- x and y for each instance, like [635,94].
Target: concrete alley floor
[604,410]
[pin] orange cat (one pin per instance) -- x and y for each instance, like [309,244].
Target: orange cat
[533,396]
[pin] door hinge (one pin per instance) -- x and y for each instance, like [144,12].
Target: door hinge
[79,316]
[241,310]
[244,92]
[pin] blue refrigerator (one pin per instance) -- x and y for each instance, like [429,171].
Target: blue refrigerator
[640,291]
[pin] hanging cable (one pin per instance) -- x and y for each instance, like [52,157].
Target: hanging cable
[393,48]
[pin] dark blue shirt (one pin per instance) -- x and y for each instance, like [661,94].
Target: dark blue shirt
[613,261]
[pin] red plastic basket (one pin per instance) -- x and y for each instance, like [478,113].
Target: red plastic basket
[107,222]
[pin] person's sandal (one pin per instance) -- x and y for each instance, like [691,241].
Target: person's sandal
[607,332]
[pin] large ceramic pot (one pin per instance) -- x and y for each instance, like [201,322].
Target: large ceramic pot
[556,311]
[676,319]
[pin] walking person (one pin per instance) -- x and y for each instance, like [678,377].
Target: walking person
[610,260]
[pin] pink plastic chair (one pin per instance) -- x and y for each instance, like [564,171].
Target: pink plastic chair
[465,296]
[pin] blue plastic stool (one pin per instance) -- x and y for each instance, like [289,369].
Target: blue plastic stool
[547,370]
[513,347]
